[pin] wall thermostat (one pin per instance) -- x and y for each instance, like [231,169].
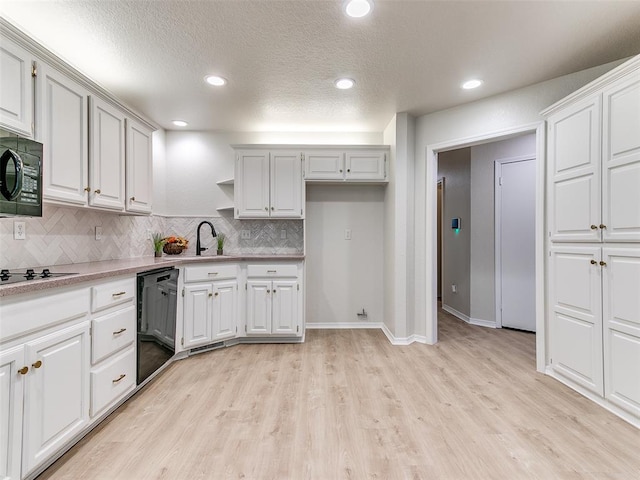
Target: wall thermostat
[455,223]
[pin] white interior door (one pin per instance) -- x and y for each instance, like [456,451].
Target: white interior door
[515,225]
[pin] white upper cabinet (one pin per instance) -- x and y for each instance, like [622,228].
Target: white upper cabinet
[16,94]
[251,194]
[621,160]
[365,165]
[324,165]
[268,184]
[286,185]
[594,166]
[347,164]
[139,175]
[62,111]
[106,156]
[574,173]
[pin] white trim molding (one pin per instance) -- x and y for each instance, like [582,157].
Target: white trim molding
[431,178]
[341,325]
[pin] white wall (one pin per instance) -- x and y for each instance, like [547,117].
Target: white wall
[500,112]
[398,227]
[483,159]
[195,161]
[455,168]
[344,276]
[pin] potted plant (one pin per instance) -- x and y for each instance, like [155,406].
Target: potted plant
[158,243]
[221,238]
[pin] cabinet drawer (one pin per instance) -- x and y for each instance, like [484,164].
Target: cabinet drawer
[279,270]
[112,380]
[112,332]
[210,272]
[112,293]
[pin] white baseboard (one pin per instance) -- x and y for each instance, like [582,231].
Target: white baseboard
[465,318]
[483,323]
[456,313]
[342,325]
[361,325]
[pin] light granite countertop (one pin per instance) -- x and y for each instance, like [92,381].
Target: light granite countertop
[84,272]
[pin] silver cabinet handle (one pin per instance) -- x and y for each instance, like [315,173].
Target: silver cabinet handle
[119,378]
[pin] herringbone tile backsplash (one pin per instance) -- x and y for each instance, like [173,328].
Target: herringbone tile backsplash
[67,235]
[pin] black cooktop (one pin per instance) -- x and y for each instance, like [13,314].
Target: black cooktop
[28,275]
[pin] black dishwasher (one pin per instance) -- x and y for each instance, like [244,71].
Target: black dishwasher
[157,300]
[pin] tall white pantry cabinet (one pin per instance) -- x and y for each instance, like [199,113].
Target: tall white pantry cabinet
[593,215]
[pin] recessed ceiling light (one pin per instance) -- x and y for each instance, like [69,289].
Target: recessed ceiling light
[215,80]
[345,83]
[179,123]
[358,8]
[475,83]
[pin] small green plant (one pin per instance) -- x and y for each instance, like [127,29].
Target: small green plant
[158,241]
[221,238]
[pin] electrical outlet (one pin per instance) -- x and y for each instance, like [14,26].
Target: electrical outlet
[347,234]
[245,234]
[283,234]
[98,233]
[19,231]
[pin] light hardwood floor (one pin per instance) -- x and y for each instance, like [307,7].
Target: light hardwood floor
[348,405]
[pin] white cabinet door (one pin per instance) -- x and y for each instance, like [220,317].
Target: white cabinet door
[139,179]
[286,185]
[324,165]
[107,163]
[252,184]
[225,310]
[57,393]
[16,94]
[63,128]
[574,173]
[365,165]
[11,390]
[576,315]
[285,315]
[258,307]
[621,288]
[621,161]
[198,309]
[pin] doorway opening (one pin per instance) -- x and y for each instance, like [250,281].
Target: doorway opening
[536,131]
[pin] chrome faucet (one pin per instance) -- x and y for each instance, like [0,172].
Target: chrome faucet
[213,232]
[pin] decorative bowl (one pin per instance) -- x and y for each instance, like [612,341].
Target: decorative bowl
[172,249]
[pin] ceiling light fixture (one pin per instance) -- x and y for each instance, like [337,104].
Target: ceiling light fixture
[215,80]
[179,123]
[345,83]
[358,8]
[471,84]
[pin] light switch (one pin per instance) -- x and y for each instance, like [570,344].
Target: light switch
[283,234]
[245,234]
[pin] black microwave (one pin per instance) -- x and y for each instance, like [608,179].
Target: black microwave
[20,176]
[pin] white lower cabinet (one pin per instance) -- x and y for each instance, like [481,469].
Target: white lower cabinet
[57,392]
[112,379]
[210,306]
[274,305]
[12,378]
[113,342]
[50,392]
[595,321]
[621,307]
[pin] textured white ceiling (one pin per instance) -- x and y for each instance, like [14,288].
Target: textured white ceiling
[282,57]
